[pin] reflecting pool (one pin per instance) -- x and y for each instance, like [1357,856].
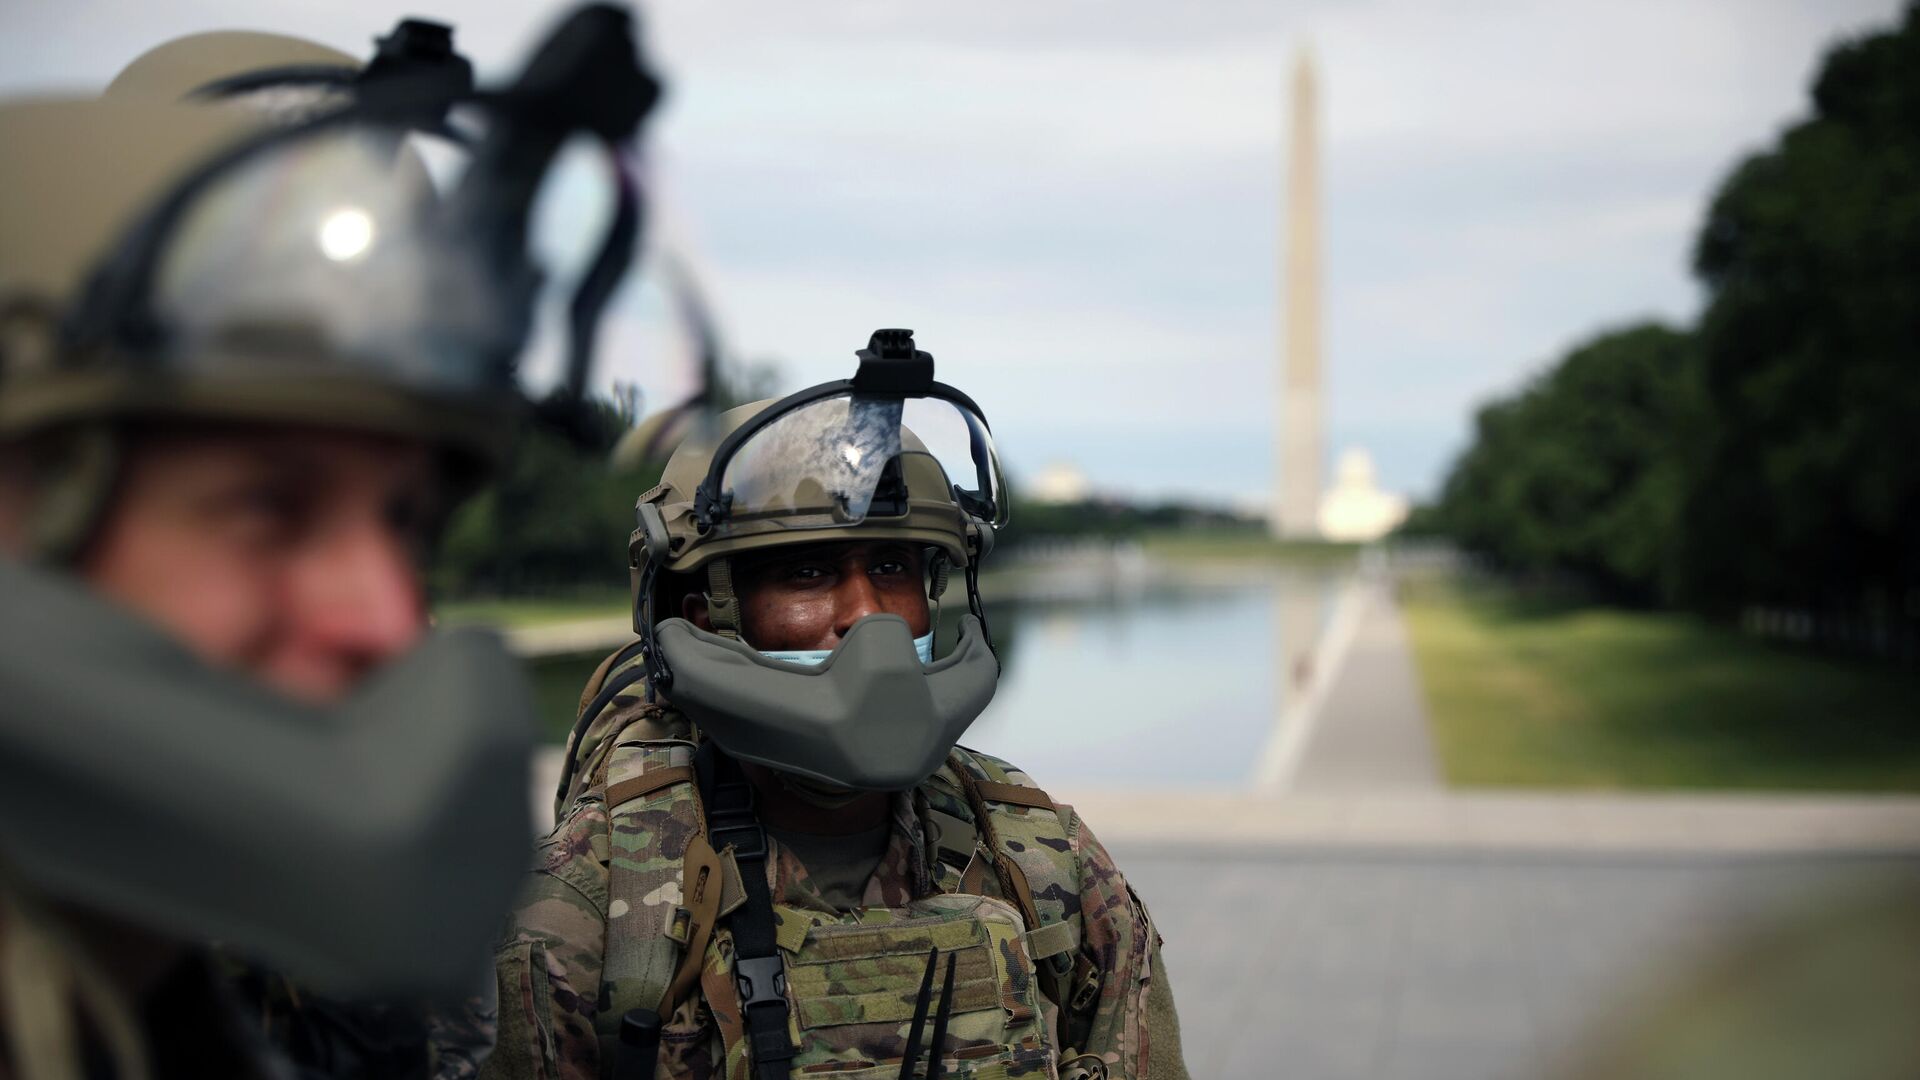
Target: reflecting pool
[1110,671]
[1116,690]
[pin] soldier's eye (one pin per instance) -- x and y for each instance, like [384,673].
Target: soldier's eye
[264,512]
[407,513]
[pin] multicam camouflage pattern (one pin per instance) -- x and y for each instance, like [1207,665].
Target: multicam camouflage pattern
[458,1040]
[851,1016]
[852,975]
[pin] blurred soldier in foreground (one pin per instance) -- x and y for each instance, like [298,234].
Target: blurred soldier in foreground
[249,359]
[772,858]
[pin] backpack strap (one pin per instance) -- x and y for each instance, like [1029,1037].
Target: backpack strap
[614,698]
[1022,832]
[759,971]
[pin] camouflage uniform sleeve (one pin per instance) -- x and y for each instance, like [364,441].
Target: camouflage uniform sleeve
[548,964]
[1113,984]
[460,1037]
[1168,1061]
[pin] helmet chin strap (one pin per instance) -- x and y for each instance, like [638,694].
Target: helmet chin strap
[74,483]
[723,606]
[938,567]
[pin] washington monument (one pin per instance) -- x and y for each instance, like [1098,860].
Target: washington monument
[1297,442]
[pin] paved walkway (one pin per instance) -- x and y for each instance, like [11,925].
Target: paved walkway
[1475,823]
[1369,731]
[1327,964]
[570,638]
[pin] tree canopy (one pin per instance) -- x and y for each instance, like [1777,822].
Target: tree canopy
[1766,456]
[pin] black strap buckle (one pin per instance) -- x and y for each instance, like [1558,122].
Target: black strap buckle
[761,980]
[762,984]
[749,840]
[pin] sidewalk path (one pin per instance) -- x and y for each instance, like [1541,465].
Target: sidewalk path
[1370,733]
[571,638]
[1336,964]
[1470,935]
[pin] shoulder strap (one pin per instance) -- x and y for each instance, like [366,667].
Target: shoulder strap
[1022,831]
[759,971]
[596,722]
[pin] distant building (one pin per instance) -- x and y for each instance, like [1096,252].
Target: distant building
[1355,509]
[1060,482]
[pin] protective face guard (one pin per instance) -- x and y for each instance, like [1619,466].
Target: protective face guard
[870,717]
[376,274]
[368,847]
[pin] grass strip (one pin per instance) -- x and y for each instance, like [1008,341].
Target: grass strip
[1536,692]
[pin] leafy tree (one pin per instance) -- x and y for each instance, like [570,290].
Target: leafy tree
[1579,473]
[556,520]
[1110,519]
[1806,487]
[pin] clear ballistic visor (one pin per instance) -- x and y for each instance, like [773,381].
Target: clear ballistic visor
[346,250]
[839,460]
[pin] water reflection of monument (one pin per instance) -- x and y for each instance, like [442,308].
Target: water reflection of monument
[1298,615]
[1355,509]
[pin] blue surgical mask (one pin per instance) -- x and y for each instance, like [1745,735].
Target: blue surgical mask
[922,645]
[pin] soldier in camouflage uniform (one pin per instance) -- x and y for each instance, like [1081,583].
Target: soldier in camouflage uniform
[248,362]
[786,745]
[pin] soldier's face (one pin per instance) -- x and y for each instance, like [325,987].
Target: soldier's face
[291,554]
[808,597]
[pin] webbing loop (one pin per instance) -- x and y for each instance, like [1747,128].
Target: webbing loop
[723,607]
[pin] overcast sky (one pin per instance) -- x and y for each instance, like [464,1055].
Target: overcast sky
[1076,204]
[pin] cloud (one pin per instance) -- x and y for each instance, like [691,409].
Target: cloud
[1076,203]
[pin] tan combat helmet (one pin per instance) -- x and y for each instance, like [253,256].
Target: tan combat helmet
[833,462]
[805,513]
[77,179]
[77,176]
[103,163]
[228,258]
[199,65]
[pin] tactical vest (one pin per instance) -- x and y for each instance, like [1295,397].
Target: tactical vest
[1006,906]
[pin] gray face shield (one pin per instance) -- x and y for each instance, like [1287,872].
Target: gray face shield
[368,848]
[870,717]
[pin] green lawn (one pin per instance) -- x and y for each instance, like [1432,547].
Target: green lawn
[1541,694]
[532,612]
[557,681]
